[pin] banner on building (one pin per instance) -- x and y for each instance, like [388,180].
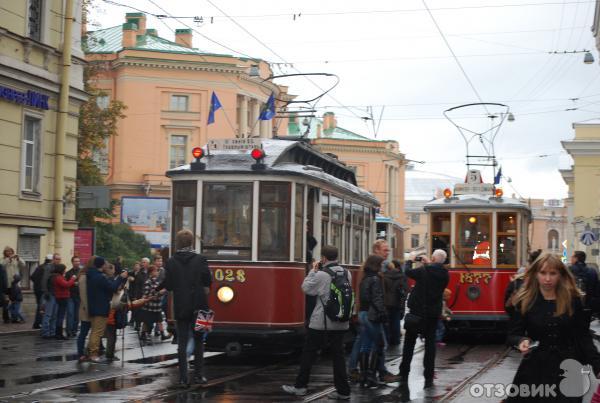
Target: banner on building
[84,244]
[148,216]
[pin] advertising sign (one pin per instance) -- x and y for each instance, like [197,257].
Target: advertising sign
[85,244]
[149,216]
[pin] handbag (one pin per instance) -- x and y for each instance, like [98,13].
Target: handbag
[204,321]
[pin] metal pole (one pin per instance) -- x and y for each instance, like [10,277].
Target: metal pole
[61,123]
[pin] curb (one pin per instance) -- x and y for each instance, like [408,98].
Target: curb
[16,332]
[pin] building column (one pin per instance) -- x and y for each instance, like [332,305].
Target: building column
[243,116]
[255,112]
[264,129]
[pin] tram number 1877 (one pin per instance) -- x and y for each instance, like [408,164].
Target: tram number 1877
[230,275]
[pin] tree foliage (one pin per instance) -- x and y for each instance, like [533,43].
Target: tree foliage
[114,240]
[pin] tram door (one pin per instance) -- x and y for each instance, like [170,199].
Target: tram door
[311,242]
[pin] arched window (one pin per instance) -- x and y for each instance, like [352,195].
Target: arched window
[553,239]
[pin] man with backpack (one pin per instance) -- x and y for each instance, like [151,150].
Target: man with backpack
[586,279]
[332,285]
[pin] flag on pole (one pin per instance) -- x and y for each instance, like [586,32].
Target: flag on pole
[498,177]
[269,110]
[214,105]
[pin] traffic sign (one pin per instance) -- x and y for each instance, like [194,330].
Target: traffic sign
[588,238]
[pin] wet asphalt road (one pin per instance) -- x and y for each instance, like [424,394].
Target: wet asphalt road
[33,369]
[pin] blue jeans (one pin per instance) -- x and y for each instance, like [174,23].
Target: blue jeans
[73,315]
[370,333]
[440,331]
[49,319]
[15,311]
[83,332]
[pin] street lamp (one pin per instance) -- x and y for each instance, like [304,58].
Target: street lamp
[588,58]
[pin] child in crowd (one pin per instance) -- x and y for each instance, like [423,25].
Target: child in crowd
[445,316]
[16,298]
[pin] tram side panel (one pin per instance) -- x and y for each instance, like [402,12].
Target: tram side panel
[477,300]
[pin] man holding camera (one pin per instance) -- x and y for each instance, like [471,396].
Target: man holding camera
[425,304]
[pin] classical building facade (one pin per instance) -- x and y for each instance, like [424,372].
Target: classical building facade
[583,179]
[548,230]
[31,41]
[379,167]
[167,87]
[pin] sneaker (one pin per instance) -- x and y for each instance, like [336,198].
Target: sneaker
[388,377]
[199,380]
[292,390]
[337,396]
[83,358]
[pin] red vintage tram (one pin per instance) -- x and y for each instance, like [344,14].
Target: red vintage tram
[485,235]
[254,205]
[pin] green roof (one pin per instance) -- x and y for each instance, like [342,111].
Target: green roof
[110,40]
[338,133]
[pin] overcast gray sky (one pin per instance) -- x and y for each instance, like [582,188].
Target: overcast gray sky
[390,53]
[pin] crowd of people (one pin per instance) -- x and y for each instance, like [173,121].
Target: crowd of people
[549,304]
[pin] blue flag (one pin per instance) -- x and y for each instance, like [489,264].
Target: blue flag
[498,177]
[214,105]
[269,110]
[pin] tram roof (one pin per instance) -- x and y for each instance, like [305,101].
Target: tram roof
[470,201]
[282,157]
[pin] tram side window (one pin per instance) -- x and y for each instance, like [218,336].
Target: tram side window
[274,221]
[184,207]
[473,246]
[337,223]
[227,221]
[324,219]
[440,233]
[357,231]
[507,239]
[300,234]
[347,230]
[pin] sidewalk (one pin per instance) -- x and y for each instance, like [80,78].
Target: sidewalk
[16,328]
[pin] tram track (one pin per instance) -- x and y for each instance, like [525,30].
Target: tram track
[492,362]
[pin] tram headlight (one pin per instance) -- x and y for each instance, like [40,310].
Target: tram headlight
[225,294]
[472,219]
[447,193]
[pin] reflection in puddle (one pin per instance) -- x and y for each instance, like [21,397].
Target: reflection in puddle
[113,384]
[36,379]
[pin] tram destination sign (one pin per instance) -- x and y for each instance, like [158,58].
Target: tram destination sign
[234,144]
[473,188]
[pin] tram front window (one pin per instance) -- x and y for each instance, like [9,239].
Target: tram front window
[474,239]
[440,233]
[274,221]
[507,239]
[227,221]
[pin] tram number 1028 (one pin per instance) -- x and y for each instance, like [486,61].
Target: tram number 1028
[230,275]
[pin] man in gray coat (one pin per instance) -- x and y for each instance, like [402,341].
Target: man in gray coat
[322,330]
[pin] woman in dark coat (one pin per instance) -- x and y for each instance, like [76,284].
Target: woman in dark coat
[548,310]
[371,316]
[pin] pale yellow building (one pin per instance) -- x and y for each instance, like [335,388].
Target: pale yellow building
[31,37]
[548,229]
[583,179]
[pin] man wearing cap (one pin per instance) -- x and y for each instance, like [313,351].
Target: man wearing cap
[100,290]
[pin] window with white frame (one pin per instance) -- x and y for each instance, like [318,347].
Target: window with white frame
[30,158]
[179,103]
[415,218]
[34,23]
[177,151]
[102,101]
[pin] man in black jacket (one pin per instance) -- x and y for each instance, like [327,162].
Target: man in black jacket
[425,301]
[188,277]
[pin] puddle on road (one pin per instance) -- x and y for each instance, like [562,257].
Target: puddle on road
[114,384]
[63,358]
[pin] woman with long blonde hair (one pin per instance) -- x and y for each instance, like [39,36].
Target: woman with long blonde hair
[548,326]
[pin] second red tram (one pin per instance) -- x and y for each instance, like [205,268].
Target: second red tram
[254,206]
[485,235]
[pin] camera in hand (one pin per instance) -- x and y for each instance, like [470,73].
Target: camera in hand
[419,259]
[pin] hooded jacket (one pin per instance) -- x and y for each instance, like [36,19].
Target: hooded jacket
[587,279]
[318,284]
[426,297]
[187,276]
[394,289]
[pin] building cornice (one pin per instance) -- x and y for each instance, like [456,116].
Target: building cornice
[164,64]
[360,149]
[568,175]
[578,148]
